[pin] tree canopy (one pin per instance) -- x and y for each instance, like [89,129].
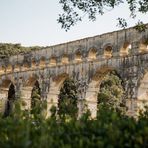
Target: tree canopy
[111,92]
[75,10]
[68,99]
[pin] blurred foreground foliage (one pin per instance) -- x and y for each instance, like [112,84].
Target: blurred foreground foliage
[109,129]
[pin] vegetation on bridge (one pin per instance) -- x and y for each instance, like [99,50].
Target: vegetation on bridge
[7,49]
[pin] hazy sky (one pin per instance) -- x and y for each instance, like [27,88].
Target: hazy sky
[34,22]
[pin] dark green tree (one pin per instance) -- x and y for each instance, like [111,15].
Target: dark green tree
[75,10]
[67,105]
[36,98]
[10,101]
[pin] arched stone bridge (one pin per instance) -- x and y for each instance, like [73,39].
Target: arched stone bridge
[86,61]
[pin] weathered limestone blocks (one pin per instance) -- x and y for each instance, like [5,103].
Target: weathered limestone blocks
[26,97]
[3,99]
[86,61]
[52,99]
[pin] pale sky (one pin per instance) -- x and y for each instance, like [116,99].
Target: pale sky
[34,22]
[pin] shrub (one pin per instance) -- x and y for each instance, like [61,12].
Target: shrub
[109,129]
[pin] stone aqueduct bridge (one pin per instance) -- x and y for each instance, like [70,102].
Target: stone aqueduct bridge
[87,61]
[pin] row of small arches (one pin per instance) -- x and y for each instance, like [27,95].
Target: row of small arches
[92,55]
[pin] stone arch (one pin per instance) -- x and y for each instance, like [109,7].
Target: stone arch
[92,54]
[78,56]
[10,100]
[124,51]
[143,46]
[33,63]
[108,50]
[9,68]
[42,62]
[65,59]
[31,81]
[68,98]
[93,89]
[142,93]
[2,69]
[35,94]
[55,86]
[26,66]
[7,95]
[16,67]
[6,83]
[52,61]
[26,91]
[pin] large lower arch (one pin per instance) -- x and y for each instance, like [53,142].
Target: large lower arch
[68,99]
[27,92]
[7,96]
[94,88]
[35,95]
[10,100]
[54,91]
[142,93]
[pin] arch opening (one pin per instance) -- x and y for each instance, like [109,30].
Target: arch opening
[65,59]
[92,55]
[9,68]
[143,47]
[26,66]
[54,91]
[30,90]
[108,52]
[78,57]
[35,95]
[52,61]
[111,92]
[33,63]
[2,70]
[68,97]
[16,67]
[124,51]
[10,100]
[42,62]
[105,87]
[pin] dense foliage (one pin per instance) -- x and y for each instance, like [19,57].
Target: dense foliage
[13,49]
[75,10]
[111,92]
[68,99]
[109,129]
[36,94]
